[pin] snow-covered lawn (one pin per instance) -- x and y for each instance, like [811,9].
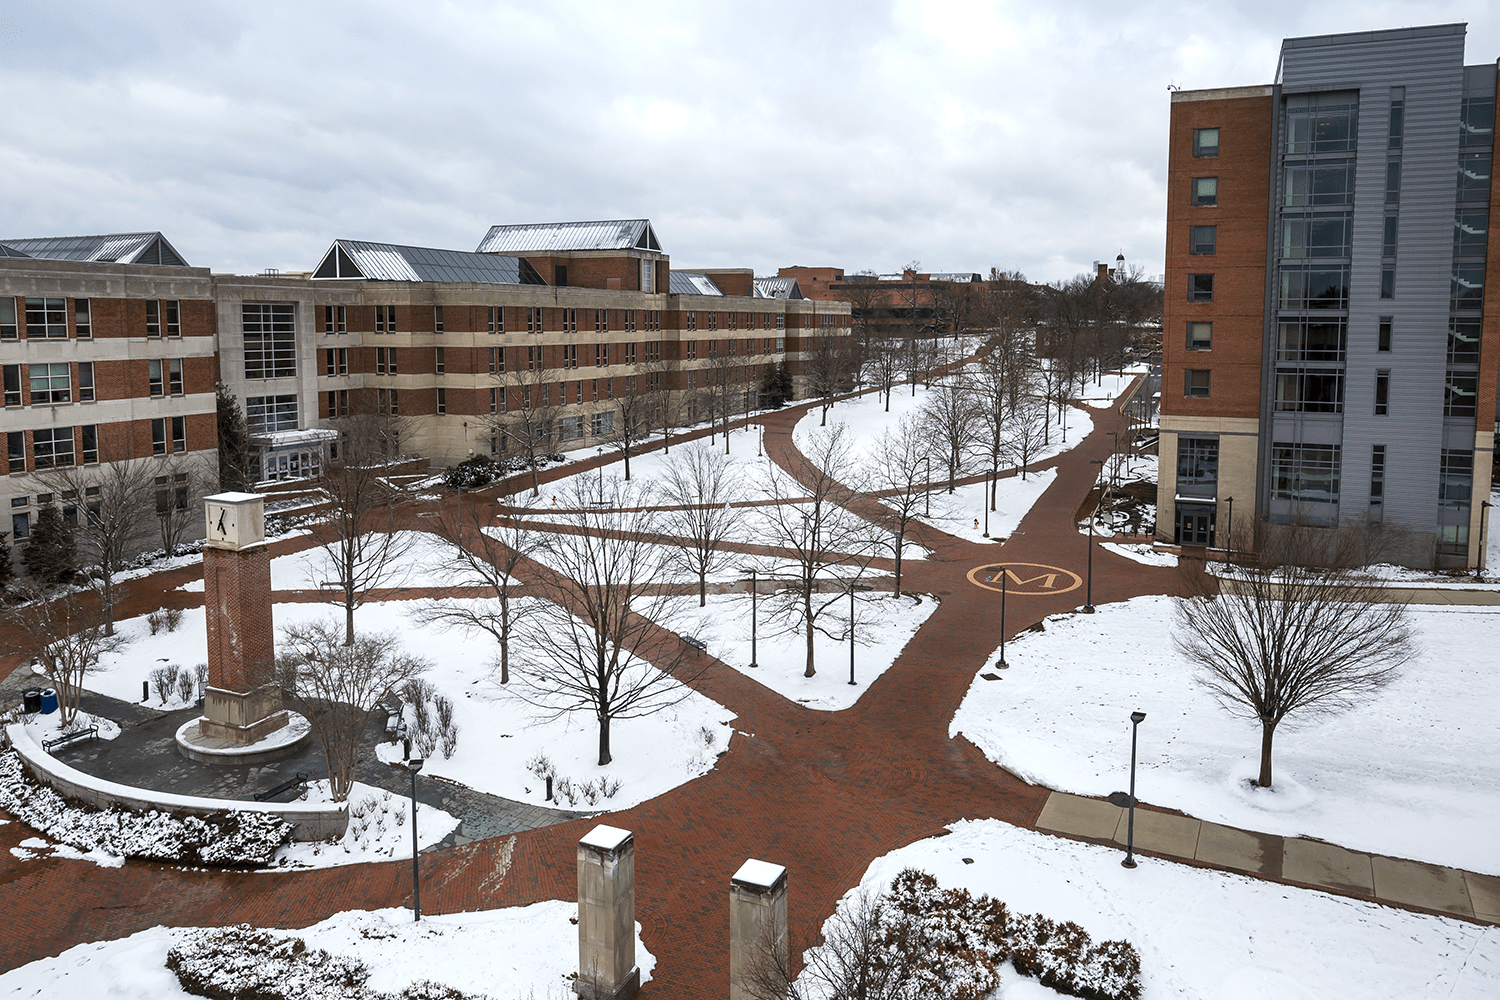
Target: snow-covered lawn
[1140,553]
[1204,933]
[498,733]
[1108,389]
[1412,773]
[884,625]
[424,560]
[379,829]
[524,951]
[961,513]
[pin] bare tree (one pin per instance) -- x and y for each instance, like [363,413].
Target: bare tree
[822,539]
[633,407]
[66,634]
[179,484]
[898,476]
[597,641]
[663,377]
[951,419]
[340,685]
[117,502]
[360,544]
[526,420]
[1026,433]
[700,486]
[830,369]
[1284,637]
[727,376]
[488,555]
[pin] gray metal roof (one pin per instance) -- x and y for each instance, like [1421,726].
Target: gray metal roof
[546,237]
[6,251]
[116,248]
[359,260]
[777,288]
[694,283]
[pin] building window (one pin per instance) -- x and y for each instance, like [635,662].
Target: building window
[570,356]
[1398,116]
[1383,336]
[270,340]
[495,400]
[1311,287]
[1456,478]
[15,449]
[1305,472]
[20,527]
[385,319]
[1202,238]
[8,327]
[174,376]
[601,320]
[1377,475]
[336,361]
[1305,339]
[1321,123]
[442,400]
[1388,282]
[439,361]
[338,403]
[46,319]
[570,320]
[691,347]
[1468,287]
[90,435]
[496,319]
[385,361]
[388,401]
[81,323]
[1477,121]
[630,353]
[1382,392]
[1324,182]
[496,364]
[533,319]
[1310,390]
[570,428]
[692,319]
[1463,341]
[155,383]
[12,377]
[1317,235]
[1392,181]
[52,447]
[647,285]
[50,383]
[172,317]
[165,376]
[85,381]
[630,320]
[1459,392]
[1197,461]
[1200,336]
[1205,190]
[781,321]
[1196,382]
[713,321]
[603,423]
[269,414]
[437,319]
[653,350]
[1471,229]
[1473,176]
[1200,288]
[335,319]
[780,343]
[1205,142]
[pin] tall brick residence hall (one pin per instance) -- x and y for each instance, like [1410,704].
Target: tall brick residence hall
[111,346]
[1330,330]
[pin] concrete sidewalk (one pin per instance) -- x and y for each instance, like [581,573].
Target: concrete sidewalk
[1313,864]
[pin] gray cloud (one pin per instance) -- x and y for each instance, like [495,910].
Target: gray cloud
[858,135]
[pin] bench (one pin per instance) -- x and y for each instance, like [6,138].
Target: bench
[285,786]
[91,732]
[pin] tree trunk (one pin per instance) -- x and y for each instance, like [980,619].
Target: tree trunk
[824,421]
[702,588]
[807,610]
[604,757]
[1267,731]
[898,561]
[627,461]
[348,619]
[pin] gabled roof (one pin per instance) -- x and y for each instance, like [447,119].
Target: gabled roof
[355,259]
[116,248]
[547,237]
[777,288]
[694,283]
[6,251]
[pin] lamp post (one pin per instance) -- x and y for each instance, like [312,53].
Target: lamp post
[600,451]
[1229,531]
[1136,718]
[752,617]
[1004,572]
[1088,603]
[851,633]
[927,487]
[413,766]
[988,476]
[1484,516]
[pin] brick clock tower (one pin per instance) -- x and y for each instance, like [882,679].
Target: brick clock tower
[242,699]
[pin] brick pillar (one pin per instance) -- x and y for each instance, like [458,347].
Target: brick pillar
[242,699]
[606,916]
[757,923]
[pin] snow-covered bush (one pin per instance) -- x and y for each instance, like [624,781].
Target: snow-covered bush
[249,963]
[164,620]
[236,839]
[164,681]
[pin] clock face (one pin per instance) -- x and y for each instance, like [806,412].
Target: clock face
[233,525]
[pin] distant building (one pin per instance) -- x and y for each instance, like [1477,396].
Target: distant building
[1329,348]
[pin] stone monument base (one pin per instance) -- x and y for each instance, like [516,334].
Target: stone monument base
[242,718]
[283,740]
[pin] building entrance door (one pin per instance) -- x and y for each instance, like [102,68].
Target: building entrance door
[1195,525]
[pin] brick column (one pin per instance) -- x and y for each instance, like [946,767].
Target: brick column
[242,699]
[606,916]
[757,924]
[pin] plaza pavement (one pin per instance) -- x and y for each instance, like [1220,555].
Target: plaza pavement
[823,793]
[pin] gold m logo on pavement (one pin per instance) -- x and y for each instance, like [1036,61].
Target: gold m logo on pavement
[1023,579]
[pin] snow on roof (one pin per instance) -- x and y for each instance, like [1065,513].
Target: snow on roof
[777,288]
[543,237]
[605,838]
[283,439]
[116,248]
[694,283]
[759,874]
[964,276]
[360,260]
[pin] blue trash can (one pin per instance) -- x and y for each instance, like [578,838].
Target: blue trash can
[49,700]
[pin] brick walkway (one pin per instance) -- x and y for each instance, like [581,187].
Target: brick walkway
[822,793]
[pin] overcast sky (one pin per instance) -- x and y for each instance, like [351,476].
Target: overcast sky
[859,135]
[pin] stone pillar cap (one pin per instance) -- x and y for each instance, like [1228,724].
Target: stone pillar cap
[759,875]
[606,838]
